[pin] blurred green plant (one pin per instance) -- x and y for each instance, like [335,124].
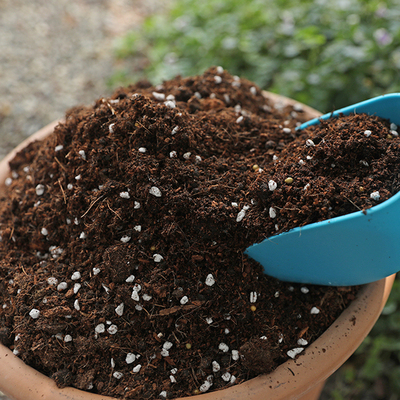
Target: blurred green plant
[327,54]
[373,371]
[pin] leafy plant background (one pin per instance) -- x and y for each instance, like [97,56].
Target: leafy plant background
[327,54]
[324,53]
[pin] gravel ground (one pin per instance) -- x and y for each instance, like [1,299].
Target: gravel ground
[55,54]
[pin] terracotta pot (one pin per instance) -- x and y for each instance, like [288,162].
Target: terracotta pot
[295,379]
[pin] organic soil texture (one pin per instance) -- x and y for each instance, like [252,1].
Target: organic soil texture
[122,235]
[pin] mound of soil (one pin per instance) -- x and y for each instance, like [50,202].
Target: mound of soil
[122,235]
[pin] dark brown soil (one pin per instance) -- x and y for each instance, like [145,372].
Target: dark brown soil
[125,231]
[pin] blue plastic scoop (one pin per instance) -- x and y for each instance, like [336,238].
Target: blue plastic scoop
[352,249]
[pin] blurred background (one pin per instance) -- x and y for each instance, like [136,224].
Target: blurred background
[327,54]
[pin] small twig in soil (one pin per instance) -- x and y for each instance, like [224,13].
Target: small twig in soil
[108,105]
[173,310]
[194,377]
[59,163]
[113,211]
[62,191]
[176,337]
[289,209]
[354,204]
[92,204]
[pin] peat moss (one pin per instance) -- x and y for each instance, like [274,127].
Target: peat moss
[148,193]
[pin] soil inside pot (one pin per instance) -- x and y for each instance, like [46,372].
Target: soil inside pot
[122,235]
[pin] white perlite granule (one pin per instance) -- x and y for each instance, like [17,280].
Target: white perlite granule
[124,195]
[294,352]
[76,275]
[210,280]
[375,195]
[146,297]
[164,352]
[272,185]
[135,295]
[205,386]
[310,143]
[223,347]
[315,310]
[112,329]
[39,189]
[367,133]
[34,313]
[158,96]
[226,376]
[118,375]
[253,297]
[215,366]
[125,239]
[67,338]
[62,286]
[155,191]
[235,355]
[239,119]
[130,358]
[52,281]
[242,213]
[167,345]
[157,258]
[137,368]
[170,104]
[120,310]
[100,328]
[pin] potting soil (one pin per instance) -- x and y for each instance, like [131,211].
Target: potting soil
[122,235]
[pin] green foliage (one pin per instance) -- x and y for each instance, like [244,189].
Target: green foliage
[327,54]
[376,360]
[381,349]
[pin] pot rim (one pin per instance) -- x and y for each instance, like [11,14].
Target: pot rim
[289,381]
